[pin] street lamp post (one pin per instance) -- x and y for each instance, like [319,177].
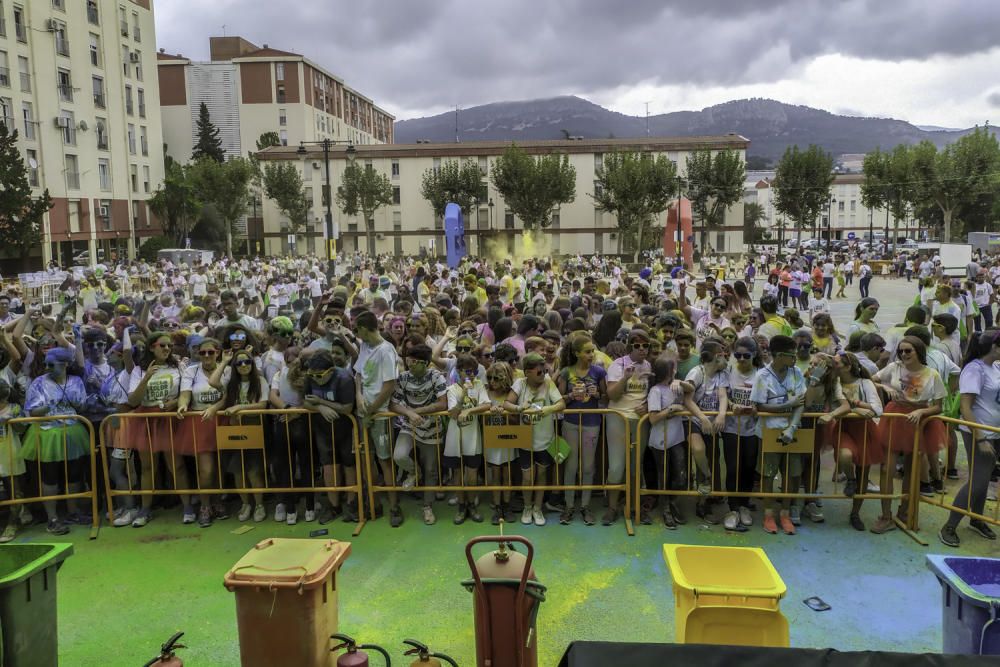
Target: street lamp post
[328,195]
[829,224]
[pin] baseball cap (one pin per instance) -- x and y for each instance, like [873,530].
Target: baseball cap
[668,285]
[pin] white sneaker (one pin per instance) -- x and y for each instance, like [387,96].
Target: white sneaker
[429,518]
[291,519]
[526,515]
[794,515]
[536,514]
[310,515]
[245,512]
[872,487]
[259,513]
[126,517]
[279,512]
[453,501]
[189,515]
[745,517]
[813,513]
[409,481]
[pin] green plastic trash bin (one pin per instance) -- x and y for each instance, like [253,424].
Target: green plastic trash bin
[28,603]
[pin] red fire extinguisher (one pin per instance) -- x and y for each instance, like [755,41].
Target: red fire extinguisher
[167,657]
[506,595]
[355,657]
[424,656]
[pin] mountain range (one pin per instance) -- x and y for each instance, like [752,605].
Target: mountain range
[771,126]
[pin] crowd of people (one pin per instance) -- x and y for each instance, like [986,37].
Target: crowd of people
[696,371]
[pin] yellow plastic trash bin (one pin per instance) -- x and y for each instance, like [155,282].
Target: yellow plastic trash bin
[726,595]
[286,601]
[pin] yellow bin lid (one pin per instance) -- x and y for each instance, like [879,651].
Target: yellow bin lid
[710,570]
[279,562]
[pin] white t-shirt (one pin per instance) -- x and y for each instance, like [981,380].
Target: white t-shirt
[288,394]
[740,386]
[665,433]
[828,270]
[199,285]
[983,382]
[165,385]
[706,390]
[923,386]
[203,395]
[543,429]
[376,366]
[464,438]
[983,293]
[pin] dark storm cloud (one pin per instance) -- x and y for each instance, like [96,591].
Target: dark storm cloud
[418,54]
[994,98]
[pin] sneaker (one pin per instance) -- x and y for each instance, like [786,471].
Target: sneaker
[125,518]
[350,512]
[291,518]
[474,513]
[927,490]
[588,516]
[983,529]
[439,495]
[669,521]
[704,512]
[453,500]
[259,513]
[677,514]
[952,473]
[328,514]
[795,515]
[704,489]
[555,506]
[395,517]
[732,522]
[429,518]
[850,487]
[461,515]
[80,519]
[205,517]
[526,516]
[24,516]
[948,536]
[769,524]
[609,517]
[856,522]
[644,517]
[938,485]
[814,513]
[310,516]
[280,513]
[142,517]
[189,515]
[786,523]
[872,487]
[409,481]
[745,517]
[245,511]
[883,524]
[57,527]
[219,512]
[566,517]
[536,514]
[497,515]
[9,533]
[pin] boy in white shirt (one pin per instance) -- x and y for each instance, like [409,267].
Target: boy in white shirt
[818,304]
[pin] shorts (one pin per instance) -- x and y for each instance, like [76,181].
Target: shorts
[379,440]
[474,462]
[330,438]
[776,463]
[541,458]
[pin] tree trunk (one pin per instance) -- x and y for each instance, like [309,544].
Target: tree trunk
[946,231]
[229,239]
[370,236]
[638,242]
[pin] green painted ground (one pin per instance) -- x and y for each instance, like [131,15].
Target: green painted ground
[126,592]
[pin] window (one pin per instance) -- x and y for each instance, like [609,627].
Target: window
[141,98]
[131,138]
[283,136]
[598,190]
[508,219]
[307,173]
[98,83]
[65,85]
[136,34]
[720,242]
[32,164]
[104,173]
[72,173]
[95,50]
[62,43]
[854,205]
[92,14]
[598,162]
[7,112]
[397,238]
[282,117]
[25,72]
[4,70]
[129,109]
[395,169]
[29,120]
[281,94]
[101,131]
[73,209]
[19,28]
[125,60]
[67,122]
[840,205]
[138,67]
[59,4]
[145,178]
[395,195]
[437,165]
[143,140]
[3,22]
[484,165]
[279,71]
[123,24]
[134,175]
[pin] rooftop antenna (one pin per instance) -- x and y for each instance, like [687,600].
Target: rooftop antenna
[647,119]
[456,124]
[223,29]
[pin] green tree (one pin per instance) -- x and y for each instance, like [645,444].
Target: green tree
[283,184]
[456,182]
[889,183]
[20,213]
[208,145]
[225,187]
[268,139]
[364,191]
[174,202]
[753,216]
[636,187]
[957,175]
[801,184]
[533,187]
[152,246]
[714,185]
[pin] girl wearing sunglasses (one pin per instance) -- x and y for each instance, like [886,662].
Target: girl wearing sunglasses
[711,382]
[918,392]
[463,447]
[499,380]
[740,444]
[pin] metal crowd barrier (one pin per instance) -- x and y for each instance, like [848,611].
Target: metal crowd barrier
[235,441]
[499,432]
[809,443]
[938,500]
[16,492]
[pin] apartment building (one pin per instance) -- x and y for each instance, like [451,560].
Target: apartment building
[76,82]
[408,226]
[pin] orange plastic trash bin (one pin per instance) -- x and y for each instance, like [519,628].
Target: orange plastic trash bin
[286,601]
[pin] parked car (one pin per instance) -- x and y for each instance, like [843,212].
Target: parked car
[82,258]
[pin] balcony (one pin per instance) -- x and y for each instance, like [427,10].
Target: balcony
[5,77]
[92,14]
[73,180]
[99,100]
[62,46]
[25,82]
[65,93]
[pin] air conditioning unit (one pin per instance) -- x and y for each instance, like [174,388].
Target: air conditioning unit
[51,25]
[316,165]
[103,212]
[134,57]
[61,122]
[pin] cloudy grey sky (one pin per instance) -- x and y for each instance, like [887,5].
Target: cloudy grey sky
[927,61]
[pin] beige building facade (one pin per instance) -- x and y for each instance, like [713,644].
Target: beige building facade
[77,81]
[408,226]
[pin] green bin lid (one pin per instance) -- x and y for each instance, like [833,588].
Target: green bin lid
[287,563]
